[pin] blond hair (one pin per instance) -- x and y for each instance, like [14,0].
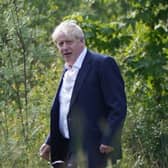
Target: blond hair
[70,29]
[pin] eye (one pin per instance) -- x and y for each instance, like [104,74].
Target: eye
[69,42]
[59,44]
[66,42]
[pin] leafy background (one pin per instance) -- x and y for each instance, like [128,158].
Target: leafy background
[134,32]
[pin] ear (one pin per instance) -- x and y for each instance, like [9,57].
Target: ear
[82,40]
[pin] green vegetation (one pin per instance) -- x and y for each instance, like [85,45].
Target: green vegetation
[134,32]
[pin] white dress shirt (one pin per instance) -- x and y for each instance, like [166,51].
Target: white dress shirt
[66,92]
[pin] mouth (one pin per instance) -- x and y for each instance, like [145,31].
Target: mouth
[67,54]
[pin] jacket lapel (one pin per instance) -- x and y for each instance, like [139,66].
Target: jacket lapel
[81,77]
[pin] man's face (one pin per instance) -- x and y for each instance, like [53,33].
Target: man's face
[69,47]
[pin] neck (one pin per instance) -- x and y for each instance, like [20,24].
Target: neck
[71,62]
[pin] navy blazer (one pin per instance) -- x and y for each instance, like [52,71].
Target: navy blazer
[97,109]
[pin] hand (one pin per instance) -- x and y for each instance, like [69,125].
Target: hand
[105,149]
[45,151]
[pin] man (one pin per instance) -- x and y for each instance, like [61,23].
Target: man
[89,107]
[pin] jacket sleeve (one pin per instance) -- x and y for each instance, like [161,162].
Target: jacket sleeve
[112,86]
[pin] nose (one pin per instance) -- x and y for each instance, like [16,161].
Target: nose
[64,47]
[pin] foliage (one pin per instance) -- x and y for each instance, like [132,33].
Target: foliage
[147,61]
[134,32]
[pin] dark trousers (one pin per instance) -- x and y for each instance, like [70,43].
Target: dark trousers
[59,165]
[92,158]
[70,163]
[63,165]
[99,161]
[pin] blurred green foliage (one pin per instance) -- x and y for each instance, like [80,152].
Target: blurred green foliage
[135,33]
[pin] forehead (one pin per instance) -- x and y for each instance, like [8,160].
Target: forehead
[62,37]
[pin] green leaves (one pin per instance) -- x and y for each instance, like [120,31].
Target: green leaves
[134,32]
